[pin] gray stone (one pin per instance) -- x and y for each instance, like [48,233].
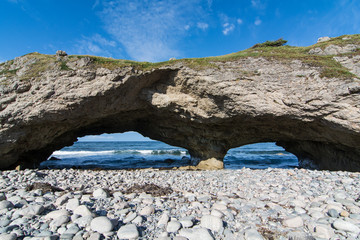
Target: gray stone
[82,210]
[131,216]
[101,225]
[323,39]
[61,53]
[163,219]
[299,235]
[333,213]
[4,222]
[5,236]
[138,220]
[2,196]
[72,230]
[173,226]
[72,204]
[217,213]
[32,210]
[45,233]
[196,234]
[5,204]
[211,222]
[253,234]
[322,231]
[56,214]
[147,210]
[128,232]
[83,221]
[346,226]
[186,222]
[179,238]
[100,193]
[61,200]
[60,220]
[95,236]
[293,222]
[79,237]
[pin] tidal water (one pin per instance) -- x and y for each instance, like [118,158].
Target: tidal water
[126,155]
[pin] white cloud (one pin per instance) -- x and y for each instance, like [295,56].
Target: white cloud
[257,22]
[227,28]
[228,23]
[104,42]
[150,30]
[95,45]
[202,26]
[258,4]
[96,3]
[239,21]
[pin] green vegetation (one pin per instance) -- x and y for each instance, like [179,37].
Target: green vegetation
[270,50]
[43,62]
[278,43]
[8,72]
[64,67]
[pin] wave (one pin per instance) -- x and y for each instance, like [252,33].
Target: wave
[82,153]
[152,152]
[111,152]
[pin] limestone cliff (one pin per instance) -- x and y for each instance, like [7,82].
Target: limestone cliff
[307,99]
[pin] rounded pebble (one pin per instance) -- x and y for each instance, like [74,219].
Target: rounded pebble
[101,225]
[211,222]
[128,232]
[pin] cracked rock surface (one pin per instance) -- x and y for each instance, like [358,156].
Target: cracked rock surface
[46,102]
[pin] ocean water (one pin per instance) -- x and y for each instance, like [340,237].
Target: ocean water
[126,155]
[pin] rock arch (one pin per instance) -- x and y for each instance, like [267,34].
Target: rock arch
[207,109]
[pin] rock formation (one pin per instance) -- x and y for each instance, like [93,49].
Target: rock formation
[304,99]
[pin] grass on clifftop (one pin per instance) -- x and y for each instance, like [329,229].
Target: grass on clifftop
[268,50]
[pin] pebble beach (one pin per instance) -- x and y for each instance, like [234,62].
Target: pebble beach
[175,204]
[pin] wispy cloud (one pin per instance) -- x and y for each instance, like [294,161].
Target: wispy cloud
[227,28]
[258,4]
[95,45]
[229,24]
[203,26]
[257,22]
[150,30]
[96,3]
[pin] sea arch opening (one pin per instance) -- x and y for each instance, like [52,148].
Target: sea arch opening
[128,150]
[260,156]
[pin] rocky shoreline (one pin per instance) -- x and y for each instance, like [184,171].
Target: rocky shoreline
[225,204]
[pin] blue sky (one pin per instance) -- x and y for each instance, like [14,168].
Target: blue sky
[154,30]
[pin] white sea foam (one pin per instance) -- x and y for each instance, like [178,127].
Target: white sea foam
[82,153]
[109,152]
[145,152]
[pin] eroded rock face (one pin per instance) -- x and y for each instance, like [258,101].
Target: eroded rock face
[207,110]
